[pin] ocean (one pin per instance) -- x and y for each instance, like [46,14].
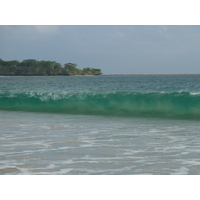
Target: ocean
[100,125]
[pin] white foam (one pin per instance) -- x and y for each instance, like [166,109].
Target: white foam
[181,171]
[51,166]
[195,93]
[64,171]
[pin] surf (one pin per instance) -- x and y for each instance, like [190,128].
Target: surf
[180,105]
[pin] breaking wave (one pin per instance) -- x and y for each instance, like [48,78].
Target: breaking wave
[180,105]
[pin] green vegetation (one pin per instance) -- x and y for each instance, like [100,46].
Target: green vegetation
[32,67]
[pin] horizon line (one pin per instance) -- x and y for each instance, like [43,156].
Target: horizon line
[143,74]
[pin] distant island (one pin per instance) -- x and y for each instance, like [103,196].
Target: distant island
[32,67]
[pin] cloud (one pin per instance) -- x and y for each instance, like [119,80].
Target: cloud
[122,49]
[47,29]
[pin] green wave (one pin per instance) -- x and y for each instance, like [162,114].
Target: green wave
[180,105]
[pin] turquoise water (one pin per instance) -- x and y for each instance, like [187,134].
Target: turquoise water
[100,125]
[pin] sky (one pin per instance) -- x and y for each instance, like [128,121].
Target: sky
[115,49]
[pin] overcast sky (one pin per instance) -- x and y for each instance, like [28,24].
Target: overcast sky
[114,49]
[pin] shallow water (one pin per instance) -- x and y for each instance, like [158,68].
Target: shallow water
[76,144]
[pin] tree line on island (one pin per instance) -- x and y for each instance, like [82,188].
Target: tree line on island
[32,67]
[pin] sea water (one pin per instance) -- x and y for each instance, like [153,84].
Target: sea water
[100,125]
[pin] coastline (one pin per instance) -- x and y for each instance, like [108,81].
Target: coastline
[43,75]
[32,67]
[100,75]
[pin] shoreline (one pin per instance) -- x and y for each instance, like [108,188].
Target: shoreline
[103,75]
[43,75]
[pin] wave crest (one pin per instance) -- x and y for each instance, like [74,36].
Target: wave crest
[165,105]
